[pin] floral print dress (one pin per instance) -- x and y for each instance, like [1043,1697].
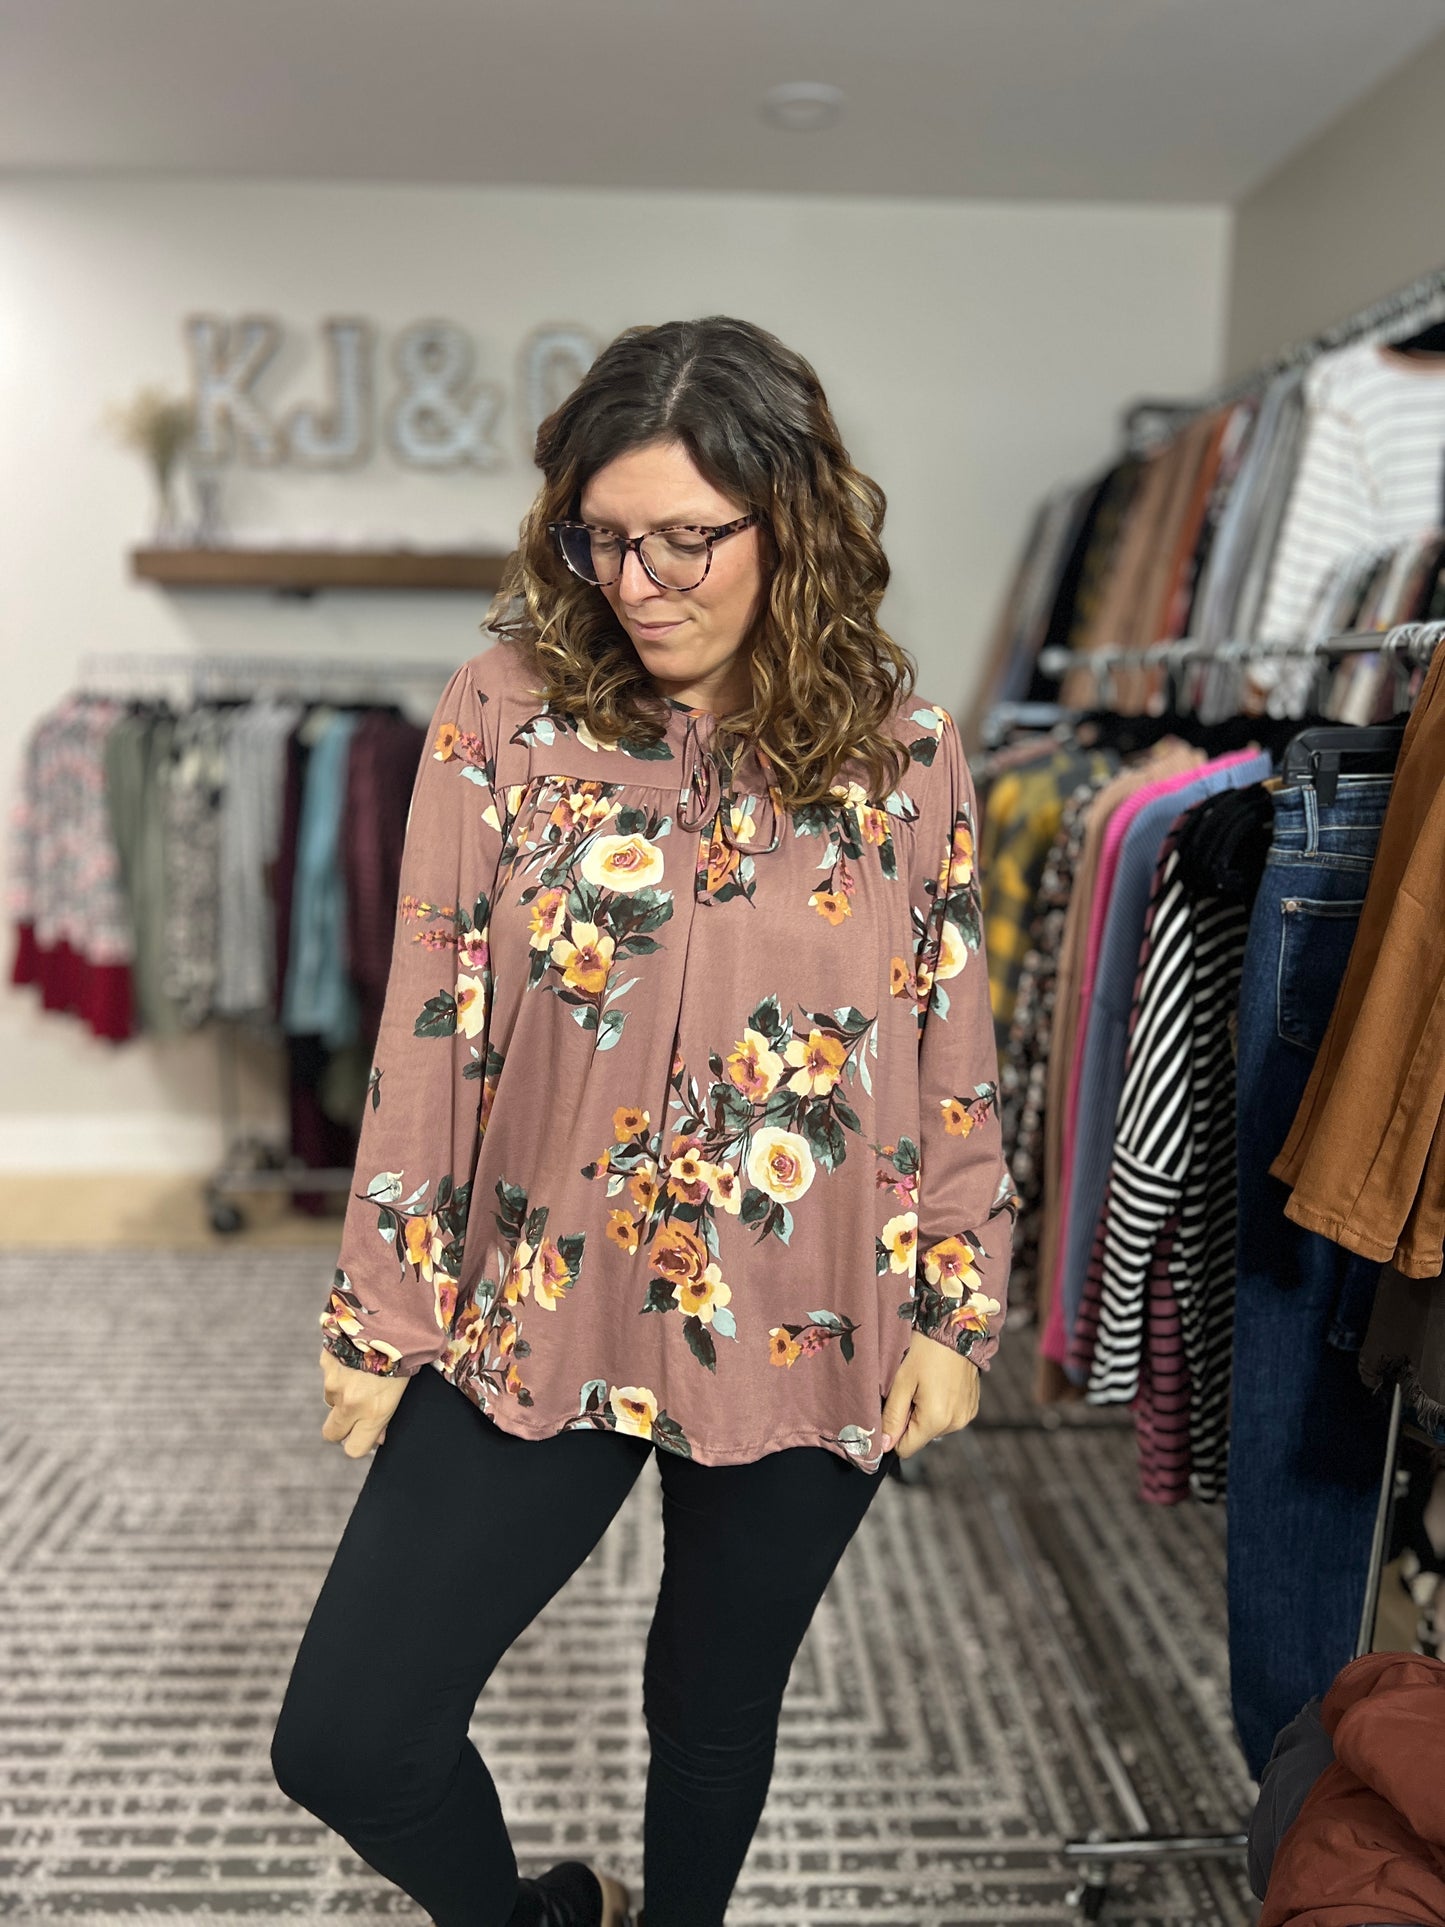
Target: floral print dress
[683,1112]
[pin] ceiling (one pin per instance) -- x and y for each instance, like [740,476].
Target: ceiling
[1136,100]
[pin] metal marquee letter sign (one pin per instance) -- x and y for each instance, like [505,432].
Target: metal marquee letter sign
[225,361]
[436,422]
[553,360]
[339,436]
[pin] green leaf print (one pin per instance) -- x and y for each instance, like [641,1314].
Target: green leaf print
[438,1016]
[699,1342]
[670,1435]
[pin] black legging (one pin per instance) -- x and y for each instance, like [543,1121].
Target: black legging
[460,1534]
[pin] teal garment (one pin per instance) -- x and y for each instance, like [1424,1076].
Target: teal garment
[319,998]
[137,763]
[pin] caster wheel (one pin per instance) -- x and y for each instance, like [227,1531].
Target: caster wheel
[225,1218]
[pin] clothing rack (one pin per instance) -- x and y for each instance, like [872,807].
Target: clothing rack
[250,1162]
[1414,307]
[1096,1855]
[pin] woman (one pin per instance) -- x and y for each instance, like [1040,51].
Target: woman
[681,1134]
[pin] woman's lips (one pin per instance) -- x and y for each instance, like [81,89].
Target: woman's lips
[656,628]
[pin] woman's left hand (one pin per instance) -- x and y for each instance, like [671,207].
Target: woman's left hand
[934,1391]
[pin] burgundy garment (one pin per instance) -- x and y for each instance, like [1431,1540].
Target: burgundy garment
[382,762]
[102,995]
[1369,1841]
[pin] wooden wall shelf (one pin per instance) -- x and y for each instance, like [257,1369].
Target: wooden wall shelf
[307,571]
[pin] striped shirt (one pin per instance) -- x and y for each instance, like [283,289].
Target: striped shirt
[1371,473]
[1157,1323]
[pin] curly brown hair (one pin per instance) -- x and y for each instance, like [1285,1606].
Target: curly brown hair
[753,416]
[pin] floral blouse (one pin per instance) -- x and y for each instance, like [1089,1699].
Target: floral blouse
[683,1112]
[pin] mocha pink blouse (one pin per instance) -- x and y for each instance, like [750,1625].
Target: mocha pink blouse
[683,1113]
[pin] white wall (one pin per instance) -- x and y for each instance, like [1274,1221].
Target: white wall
[975,354]
[1351,216]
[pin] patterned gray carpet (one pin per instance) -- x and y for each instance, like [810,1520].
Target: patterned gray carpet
[167,1513]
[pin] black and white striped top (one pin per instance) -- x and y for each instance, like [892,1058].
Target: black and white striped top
[1170,1210]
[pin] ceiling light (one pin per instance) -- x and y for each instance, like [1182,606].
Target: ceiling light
[803,106]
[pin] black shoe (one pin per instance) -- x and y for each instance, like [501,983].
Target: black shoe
[571,1894]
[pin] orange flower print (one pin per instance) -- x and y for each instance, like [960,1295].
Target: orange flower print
[634,1409]
[901,981]
[678,1254]
[820,1062]
[624,1230]
[628,1121]
[548,918]
[518,1281]
[724,1188]
[423,1244]
[900,1239]
[952,951]
[949,1267]
[958,1120]
[687,1178]
[643,1186]
[723,862]
[832,904]
[704,1296]
[780,1163]
[752,1066]
[445,1300]
[446,742]
[584,958]
[783,1349]
[552,1277]
[975,1313]
[961,869]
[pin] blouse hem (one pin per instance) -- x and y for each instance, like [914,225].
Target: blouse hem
[701,1453]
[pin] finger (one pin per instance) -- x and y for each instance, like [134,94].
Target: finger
[361,1439]
[897,1406]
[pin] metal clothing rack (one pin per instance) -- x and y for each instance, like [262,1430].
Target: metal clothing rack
[1097,1854]
[1414,306]
[251,1162]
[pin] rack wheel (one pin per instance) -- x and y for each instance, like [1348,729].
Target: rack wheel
[1092,1894]
[225,1217]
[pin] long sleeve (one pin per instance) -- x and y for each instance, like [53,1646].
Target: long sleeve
[966,1202]
[395,1290]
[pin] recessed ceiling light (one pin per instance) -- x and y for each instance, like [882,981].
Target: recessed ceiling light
[803,106]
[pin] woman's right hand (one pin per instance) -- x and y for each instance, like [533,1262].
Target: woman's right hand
[360,1402]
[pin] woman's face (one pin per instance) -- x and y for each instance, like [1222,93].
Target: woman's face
[691,642]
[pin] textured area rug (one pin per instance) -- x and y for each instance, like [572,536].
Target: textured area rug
[168,1510]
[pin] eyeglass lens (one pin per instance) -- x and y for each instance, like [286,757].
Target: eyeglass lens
[675,557]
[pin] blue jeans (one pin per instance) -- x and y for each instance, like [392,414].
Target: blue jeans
[1307,1439]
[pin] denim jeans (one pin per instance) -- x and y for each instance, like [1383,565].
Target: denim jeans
[1307,1439]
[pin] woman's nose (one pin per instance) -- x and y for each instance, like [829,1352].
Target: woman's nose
[635,584]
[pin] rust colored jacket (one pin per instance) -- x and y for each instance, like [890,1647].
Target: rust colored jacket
[1369,1842]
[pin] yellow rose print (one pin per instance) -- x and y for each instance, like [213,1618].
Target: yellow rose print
[780,1164]
[624,863]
